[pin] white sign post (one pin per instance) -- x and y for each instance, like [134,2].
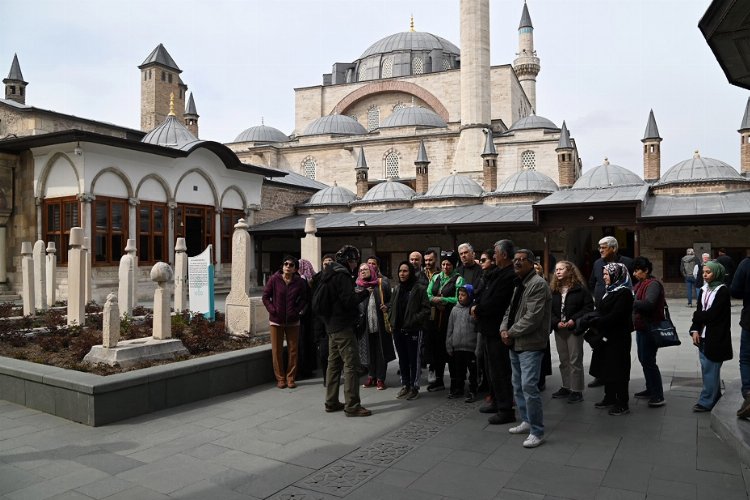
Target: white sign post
[201,283]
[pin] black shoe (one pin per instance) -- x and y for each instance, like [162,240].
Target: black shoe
[413,394]
[541,387]
[359,411]
[619,410]
[470,397]
[656,402]
[596,383]
[452,394]
[643,395]
[744,410]
[502,418]
[699,408]
[575,397]
[604,403]
[338,406]
[488,408]
[561,393]
[435,386]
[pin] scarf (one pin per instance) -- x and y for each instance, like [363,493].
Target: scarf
[372,281]
[619,277]
[718,271]
[306,269]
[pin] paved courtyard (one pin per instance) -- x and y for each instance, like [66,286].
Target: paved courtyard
[279,444]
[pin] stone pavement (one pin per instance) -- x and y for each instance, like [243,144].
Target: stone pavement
[271,443]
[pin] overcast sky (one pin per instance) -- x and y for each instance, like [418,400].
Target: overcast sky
[605,63]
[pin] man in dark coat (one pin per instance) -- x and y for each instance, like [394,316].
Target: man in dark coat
[469,270]
[729,266]
[741,290]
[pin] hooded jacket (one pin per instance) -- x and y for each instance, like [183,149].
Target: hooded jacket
[461,335]
[285,302]
[345,310]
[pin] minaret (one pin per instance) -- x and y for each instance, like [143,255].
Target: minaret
[651,150]
[527,63]
[423,172]
[362,174]
[160,77]
[15,86]
[745,144]
[191,116]
[489,157]
[565,164]
[475,84]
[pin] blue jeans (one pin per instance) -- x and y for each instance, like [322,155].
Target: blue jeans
[526,369]
[745,361]
[711,371]
[647,356]
[690,285]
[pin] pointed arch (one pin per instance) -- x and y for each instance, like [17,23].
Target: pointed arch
[44,176]
[205,176]
[391,86]
[117,172]
[238,191]
[160,180]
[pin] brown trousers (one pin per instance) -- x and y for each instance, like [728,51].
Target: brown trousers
[277,351]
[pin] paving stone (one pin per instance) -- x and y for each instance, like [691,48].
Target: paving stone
[13,478]
[111,463]
[70,495]
[423,458]
[606,493]
[712,456]
[560,480]
[206,489]
[671,489]
[372,490]
[172,473]
[294,493]
[508,457]
[140,493]
[340,478]
[310,452]
[61,484]
[396,477]
[415,432]
[592,456]
[461,481]
[631,475]
[466,457]
[382,453]
[105,487]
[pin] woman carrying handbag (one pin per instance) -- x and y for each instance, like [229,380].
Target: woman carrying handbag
[373,322]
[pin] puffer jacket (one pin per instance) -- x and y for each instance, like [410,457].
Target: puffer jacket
[461,335]
[285,302]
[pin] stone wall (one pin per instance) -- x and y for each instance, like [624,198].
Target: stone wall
[34,122]
[279,201]
[22,225]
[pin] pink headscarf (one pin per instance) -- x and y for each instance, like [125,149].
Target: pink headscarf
[372,281]
[306,269]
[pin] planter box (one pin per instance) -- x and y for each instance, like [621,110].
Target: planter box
[97,400]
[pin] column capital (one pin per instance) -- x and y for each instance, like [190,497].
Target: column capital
[172,204]
[86,197]
[134,202]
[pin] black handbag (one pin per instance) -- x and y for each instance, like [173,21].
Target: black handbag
[594,337]
[664,332]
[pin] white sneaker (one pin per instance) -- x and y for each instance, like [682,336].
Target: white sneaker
[522,428]
[533,441]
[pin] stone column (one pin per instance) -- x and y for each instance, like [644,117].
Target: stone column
[111,322]
[131,251]
[217,239]
[170,229]
[180,276]
[311,245]
[126,280]
[86,199]
[161,273]
[87,271]
[51,272]
[27,279]
[76,270]
[237,304]
[3,255]
[40,275]
[132,217]
[38,201]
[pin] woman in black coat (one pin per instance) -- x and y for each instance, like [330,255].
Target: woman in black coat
[711,333]
[611,359]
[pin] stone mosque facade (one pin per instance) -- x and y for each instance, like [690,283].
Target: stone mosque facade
[417,143]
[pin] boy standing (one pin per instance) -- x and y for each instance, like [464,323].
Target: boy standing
[461,343]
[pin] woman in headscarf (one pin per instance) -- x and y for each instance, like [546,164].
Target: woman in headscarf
[307,354]
[711,333]
[379,344]
[408,311]
[611,360]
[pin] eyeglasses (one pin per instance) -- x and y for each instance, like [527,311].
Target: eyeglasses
[290,264]
[483,260]
[521,259]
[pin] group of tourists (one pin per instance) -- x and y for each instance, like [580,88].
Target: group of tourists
[489,320]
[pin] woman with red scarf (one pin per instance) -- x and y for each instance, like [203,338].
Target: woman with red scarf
[648,308]
[372,325]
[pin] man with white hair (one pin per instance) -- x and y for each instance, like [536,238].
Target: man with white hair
[469,270]
[687,265]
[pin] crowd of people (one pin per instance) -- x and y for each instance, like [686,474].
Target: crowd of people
[490,320]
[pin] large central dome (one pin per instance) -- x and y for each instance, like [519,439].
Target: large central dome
[405,54]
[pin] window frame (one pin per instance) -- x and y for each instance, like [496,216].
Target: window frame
[60,236]
[151,234]
[111,258]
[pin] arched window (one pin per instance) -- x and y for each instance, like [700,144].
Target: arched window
[417,66]
[390,162]
[398,106]
[308,167]
[528,160]
[446,64]
[387,69]
[373,118]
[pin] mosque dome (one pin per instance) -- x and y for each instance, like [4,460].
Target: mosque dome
[699,168]
[414,116]
[527,181]
[407,53]
[335,124]
[332,195]
[389,191]
[262,133]
[532,122]
[455,185]
[608,175]
[171,133]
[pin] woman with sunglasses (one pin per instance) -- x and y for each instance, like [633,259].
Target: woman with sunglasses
[285,296]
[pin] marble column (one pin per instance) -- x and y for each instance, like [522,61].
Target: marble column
[86,199]
[217,239]
[87,270]
[51,272]
[27,279]
[40,275]
[76,271]
[133,217]
[180,276]
[172,205]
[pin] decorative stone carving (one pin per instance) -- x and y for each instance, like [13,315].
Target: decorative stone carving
[162,273]
[126,284]
[111,322]
[237,305]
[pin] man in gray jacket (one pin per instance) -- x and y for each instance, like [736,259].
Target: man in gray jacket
[526,327]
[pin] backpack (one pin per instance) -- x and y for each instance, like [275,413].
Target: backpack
[324,297]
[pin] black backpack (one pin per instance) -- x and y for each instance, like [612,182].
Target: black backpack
[324,296]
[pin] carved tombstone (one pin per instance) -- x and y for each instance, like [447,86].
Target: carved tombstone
[126,285]
[180,275]
[311,245]
[131,251]
[27,279]
[87,270]
[76,275]
[111,322]
[237,305]
[161,273]
[40,275]
[51,272]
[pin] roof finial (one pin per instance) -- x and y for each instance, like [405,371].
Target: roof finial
[697,154]
[411,24]
[171,104]
[262,121]
[606,160]
[335,184]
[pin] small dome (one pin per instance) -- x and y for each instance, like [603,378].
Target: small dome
[408,41]
[332,195]
[527,181]
[455,185]
[414,116]
[335,124]
[608,175]
[262,133]
[389,191]
[533,121]
[170,133]
[699,169]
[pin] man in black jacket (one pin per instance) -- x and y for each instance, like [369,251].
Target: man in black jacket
[342,341]
[741,290]
[489,311]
